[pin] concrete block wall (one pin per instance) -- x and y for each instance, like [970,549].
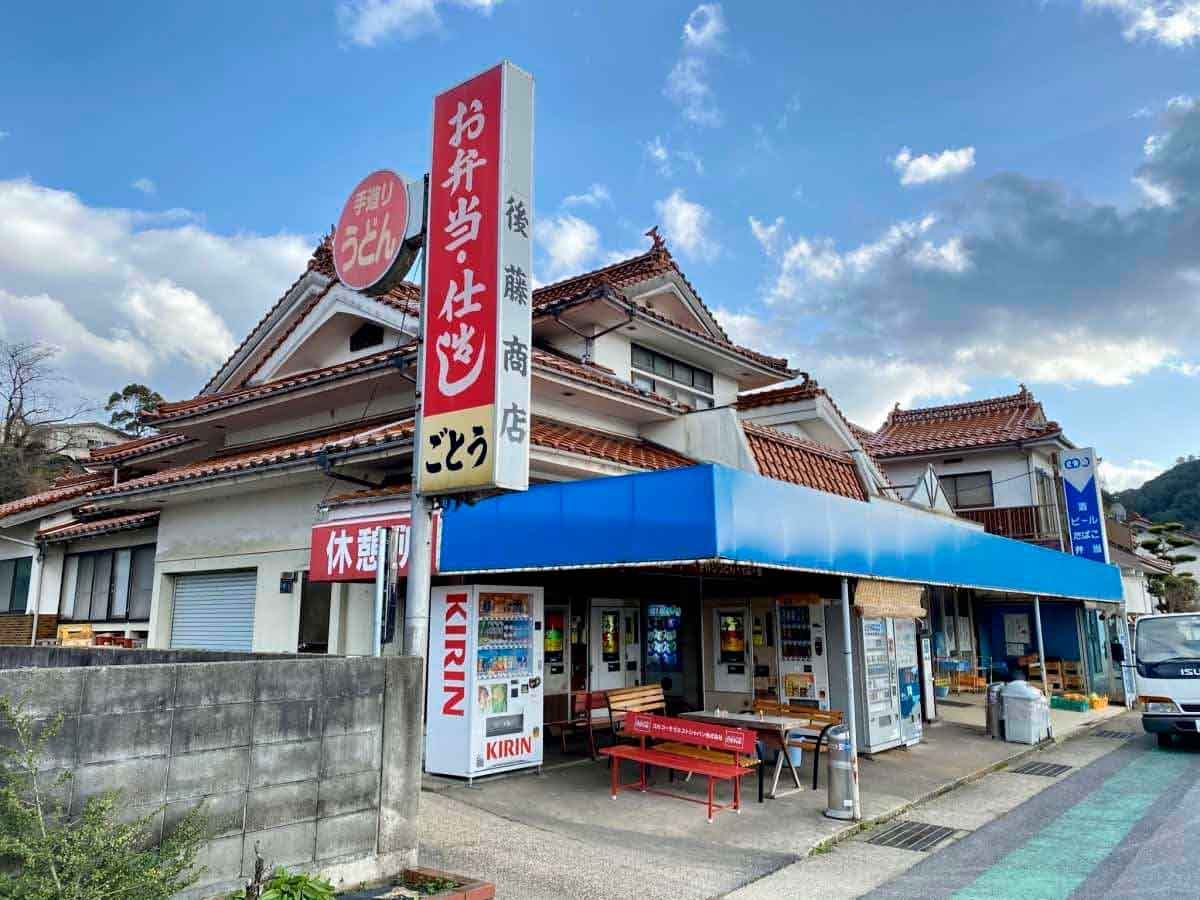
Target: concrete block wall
[315,761]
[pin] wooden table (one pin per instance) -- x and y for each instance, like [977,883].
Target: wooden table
[774,732]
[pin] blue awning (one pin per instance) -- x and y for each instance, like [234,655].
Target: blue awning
[713,513]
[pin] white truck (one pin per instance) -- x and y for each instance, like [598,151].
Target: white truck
[1167,659]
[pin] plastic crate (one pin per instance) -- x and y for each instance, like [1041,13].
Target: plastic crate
[1064,703]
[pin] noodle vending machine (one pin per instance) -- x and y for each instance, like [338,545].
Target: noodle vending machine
[484,691]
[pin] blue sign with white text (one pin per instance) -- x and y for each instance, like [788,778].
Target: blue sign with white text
[1085,512]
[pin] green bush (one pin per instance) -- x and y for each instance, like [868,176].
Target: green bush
[46,854]
[281,885]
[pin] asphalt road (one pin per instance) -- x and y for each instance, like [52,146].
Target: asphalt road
[1123,826]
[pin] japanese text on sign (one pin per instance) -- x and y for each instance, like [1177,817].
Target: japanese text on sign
[1085,513]
[349,550]
[475,397]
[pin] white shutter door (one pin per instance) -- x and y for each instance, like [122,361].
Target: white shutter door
[214,611]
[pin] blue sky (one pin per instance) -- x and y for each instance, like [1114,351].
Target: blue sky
[166,168]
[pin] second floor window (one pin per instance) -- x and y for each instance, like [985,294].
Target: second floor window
[672,378]
[968,491]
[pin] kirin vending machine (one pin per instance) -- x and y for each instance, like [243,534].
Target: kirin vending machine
[484,694]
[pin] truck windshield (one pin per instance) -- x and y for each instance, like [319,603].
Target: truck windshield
[1170,639]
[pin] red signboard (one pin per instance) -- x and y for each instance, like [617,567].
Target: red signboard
[475,382]
[349,550]
[739,740]
[372,236]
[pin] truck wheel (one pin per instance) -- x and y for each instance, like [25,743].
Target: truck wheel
[1164,740]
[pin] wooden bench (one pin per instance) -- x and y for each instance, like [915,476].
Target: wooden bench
[644,698]
[811,717]
[583,717]
[733,742]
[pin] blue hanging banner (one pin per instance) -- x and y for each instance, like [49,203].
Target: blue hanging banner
[1085,507]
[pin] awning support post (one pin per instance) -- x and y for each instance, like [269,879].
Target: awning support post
[381,577]
[1037,619]
[851,714]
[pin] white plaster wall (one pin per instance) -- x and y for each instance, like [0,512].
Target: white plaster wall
[1011,483]
[1137,598]
[267,530]
[713,435]
[383,403]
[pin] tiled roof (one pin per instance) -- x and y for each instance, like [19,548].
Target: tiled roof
[73,530]
[788,393]
[366,494]
[787,457]
[627,451]
[63,489]
[143,446]
[169,411]
[961,426]
[559,363]
[248,461]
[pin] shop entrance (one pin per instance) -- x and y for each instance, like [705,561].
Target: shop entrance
[615,646]
[313,636]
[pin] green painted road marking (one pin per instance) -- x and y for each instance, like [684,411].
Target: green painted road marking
[1056,860]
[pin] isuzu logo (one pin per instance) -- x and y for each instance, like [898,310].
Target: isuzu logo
[1190,673]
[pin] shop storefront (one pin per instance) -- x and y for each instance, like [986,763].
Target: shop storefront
[668,578]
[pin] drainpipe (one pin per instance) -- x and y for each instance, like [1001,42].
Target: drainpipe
[851,715]
[35,586]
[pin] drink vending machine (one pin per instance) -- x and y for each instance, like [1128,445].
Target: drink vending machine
[484,693]
[662,646]
[803,665]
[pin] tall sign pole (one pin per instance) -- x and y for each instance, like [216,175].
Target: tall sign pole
[1085,505]
[473,424]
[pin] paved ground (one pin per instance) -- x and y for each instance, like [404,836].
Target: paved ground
[1116,825]
[560,835]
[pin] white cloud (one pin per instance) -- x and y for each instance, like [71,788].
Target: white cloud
[132,294]
[688,226]
[688,87]
[1155,194]
[925,168]
[662,156]
[704,27]
[1173,23]
[570,244]
[596,195]
[145,185]
[3,134]
[368,22]
[688,81]
[1116,477]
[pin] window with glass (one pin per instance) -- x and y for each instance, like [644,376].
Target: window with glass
[671,378]
[14,584]
[970,490]
[108,585]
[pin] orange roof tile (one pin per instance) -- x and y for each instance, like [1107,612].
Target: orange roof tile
[62,490]
[73,530]
[788,457]
[166,412]
[143,446]
[788,393]
[961,426]
[247,461]
[627,451]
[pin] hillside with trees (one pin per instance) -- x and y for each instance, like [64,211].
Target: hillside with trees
[1173,496]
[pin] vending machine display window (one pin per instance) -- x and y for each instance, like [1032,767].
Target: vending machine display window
[733,638]
[662,635]
[610,637]
[554,641]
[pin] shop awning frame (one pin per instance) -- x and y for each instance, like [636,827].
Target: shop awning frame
[710,513]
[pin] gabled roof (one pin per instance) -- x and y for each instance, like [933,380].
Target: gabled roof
[237,463]
[962,426]
[806,389]
[138,447]
[71,531]
[167,412]
[787,457]
[63,489]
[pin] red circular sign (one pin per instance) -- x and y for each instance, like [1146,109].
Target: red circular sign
[372,231]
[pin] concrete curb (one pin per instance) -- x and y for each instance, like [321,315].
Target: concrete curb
[827,844]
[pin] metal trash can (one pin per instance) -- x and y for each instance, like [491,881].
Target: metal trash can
[995,710]
[839,773]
